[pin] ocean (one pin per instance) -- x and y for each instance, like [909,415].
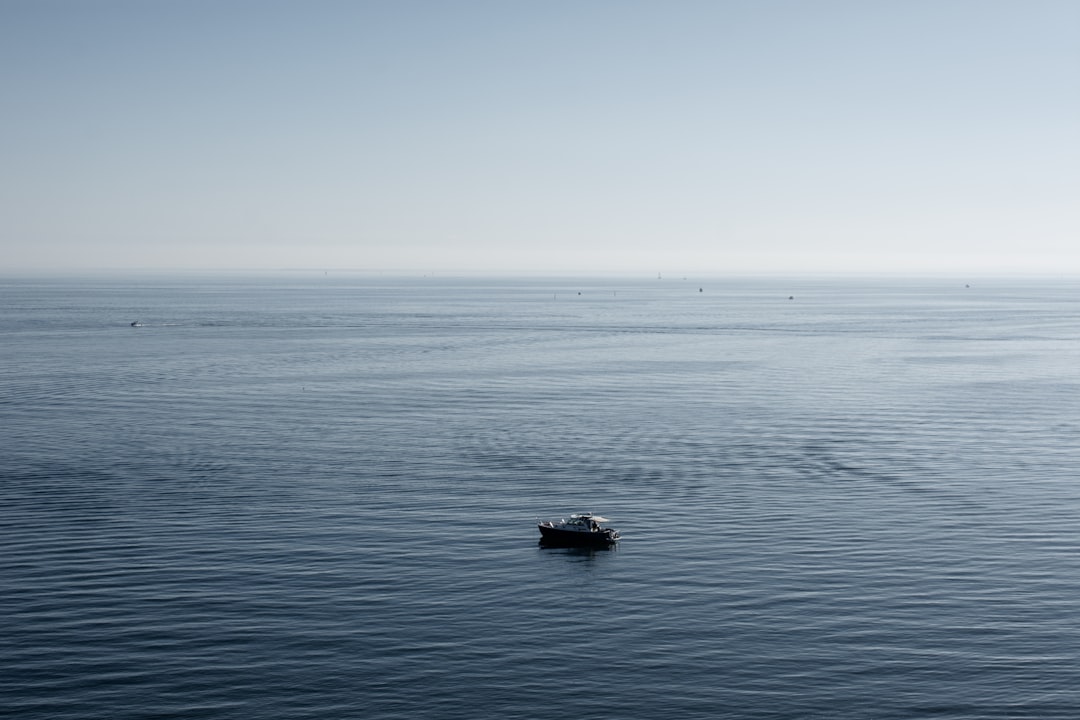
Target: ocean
[299,495]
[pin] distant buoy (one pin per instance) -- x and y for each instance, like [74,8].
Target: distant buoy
[701,290]
[791,297]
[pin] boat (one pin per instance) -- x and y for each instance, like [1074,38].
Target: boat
[580,529]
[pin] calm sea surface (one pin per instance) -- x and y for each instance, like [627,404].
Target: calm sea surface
[315,497]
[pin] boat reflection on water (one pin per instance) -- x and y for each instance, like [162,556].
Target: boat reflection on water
[584,552]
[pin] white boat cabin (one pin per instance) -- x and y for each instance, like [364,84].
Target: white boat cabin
[583,522]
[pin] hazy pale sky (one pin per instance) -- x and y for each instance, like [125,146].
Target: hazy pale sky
[583,136]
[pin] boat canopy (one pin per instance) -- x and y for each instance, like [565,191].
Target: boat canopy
[589,516]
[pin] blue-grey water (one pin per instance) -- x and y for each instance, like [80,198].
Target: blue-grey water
[308,496]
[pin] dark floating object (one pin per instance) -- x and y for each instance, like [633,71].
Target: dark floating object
[581,530]
[136,324]
[790,297]
[701,289]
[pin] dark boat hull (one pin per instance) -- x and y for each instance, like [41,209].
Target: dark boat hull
[573,538]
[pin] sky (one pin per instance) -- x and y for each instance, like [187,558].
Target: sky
[544,137]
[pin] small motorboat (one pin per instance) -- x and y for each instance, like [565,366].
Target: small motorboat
[580,529]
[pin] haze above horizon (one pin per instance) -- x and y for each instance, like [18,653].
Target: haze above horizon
[597,137]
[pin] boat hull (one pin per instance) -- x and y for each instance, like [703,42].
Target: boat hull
[575,538]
